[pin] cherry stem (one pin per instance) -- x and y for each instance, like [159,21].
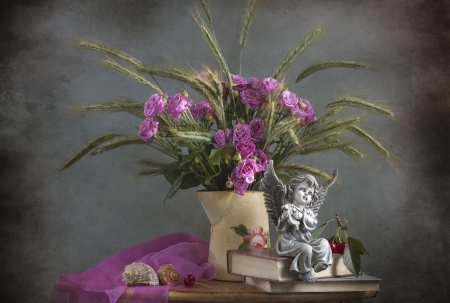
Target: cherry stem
[204,285]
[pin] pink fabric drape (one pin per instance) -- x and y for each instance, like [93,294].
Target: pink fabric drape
[103,283]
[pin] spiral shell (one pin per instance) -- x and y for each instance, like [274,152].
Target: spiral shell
[139,273]
[168,274]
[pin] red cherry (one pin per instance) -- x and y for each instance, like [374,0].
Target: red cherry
[334,247]
[341,247]
[189,280]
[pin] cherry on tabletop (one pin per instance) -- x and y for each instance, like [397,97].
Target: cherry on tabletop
[334,247]
[189,280]
[341,247]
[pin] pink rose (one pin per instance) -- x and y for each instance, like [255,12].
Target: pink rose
[241,132]
[154,106]
[256,129]
[252,97]
[245,149]
[239,82]
[229,134]
[199,110]
[261,158]
[269,85]
[254,83]
[307,114]
[246,169]
[147,129]
[240,184]
[257,237]
[177,105]
[288,100]
[219,137]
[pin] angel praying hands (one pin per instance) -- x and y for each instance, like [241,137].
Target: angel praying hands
[293,210]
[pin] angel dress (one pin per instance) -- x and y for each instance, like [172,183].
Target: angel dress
[298,243]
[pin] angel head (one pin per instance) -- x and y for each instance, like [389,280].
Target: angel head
[302,190]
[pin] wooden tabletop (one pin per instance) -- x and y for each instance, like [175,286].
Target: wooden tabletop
[237,292]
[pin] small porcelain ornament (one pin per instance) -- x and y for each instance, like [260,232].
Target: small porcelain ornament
[140,274]
[293,209]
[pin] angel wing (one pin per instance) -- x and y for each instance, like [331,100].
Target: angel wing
[274,193]
[323,193]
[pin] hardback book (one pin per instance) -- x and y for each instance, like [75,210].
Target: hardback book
[340,284]
[265,263]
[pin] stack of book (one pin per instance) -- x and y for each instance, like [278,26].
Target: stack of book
[264,269]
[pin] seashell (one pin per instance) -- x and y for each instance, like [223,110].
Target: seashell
[168,274]
[139,273]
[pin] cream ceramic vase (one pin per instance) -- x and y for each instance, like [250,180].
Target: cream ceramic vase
[225,210]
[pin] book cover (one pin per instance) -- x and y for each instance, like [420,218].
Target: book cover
[339,284]
[265,263]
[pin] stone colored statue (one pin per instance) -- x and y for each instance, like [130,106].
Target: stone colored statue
[293,210]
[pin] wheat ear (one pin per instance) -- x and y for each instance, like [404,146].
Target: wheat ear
[118,143]
[298,167]
[249,17]
[296,52]
[370,140]
[89,146]
[329,64]
[359,103]
[111,51]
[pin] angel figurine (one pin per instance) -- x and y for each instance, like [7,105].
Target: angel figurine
[293,210]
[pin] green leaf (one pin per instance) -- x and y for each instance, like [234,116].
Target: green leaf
[359,246]
[284,178]
[191,179]
[172,171]
[220,153]
[268,245]
[208,180]
[240,230]
[319,230]
[175,186]
[244,246]
[352,259]
[187,158]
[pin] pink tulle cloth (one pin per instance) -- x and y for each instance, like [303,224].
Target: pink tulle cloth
[103,283]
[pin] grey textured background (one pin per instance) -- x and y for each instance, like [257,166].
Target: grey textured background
[53,222]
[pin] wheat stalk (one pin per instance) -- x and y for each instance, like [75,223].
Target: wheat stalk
[118,143]
[323,147]
[191,136]
[248,20]
[89,146]
[329,64]
[332,126]
[111,51]
[359,103]
[298,167]
[149,172]
[280,128]
[370,140]
[296,52]
[114,65]
[204,7]
[127,105]
[351,152]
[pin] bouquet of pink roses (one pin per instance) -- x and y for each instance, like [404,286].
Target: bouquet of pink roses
[226,141]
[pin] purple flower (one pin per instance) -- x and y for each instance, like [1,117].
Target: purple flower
[241,133]
[252,97]
[256,129]
[219,137]
[245,149]
[254,83]
[239,82]
[246,169]
[261,158]
[199,110]
[225,91]
[154,106]
[288,100]
[147,129]
[240,185]
[229,134]
[177,105]
[306,114]
[269,85]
